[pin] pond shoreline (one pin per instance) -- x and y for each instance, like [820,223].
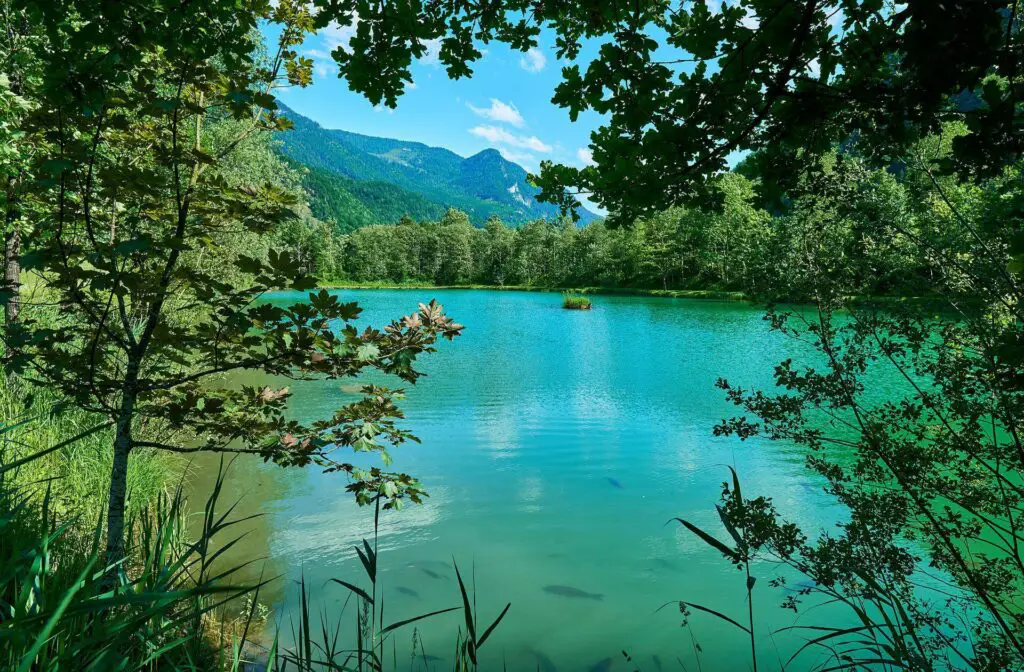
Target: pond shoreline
[701,294]
[606,291]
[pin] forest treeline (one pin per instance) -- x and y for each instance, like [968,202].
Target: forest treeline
[739,242]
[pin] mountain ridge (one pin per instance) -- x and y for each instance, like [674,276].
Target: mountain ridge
[423,178]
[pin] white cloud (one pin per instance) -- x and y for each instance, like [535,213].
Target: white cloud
[533,60]
[534,143]
[497,135]
[323,63]
[585,156]
[336,36]
[499,111]
[433,55]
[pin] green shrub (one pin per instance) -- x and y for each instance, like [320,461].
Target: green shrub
[572,301]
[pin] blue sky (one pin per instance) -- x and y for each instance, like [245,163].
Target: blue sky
[505,105]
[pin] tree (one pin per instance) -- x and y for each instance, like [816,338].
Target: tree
[499,251]
[19,75]
[929,470]
[534,258]
[660,246]
[129,188]
[455,244]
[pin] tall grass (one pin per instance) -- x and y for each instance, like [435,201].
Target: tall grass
[34,423]
[61,606]
[323,645]
[60,609]
[882,628]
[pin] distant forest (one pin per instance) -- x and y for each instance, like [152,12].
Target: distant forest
[737,244]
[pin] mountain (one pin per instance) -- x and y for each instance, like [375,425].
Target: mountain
[361,179]
[356,203]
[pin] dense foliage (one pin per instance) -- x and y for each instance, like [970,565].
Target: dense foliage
[741,247]
[351,204]
[929,559]
[679,248]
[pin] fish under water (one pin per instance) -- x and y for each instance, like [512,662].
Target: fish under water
[800,586]
[614,482]
[436,565]
[662,563]
[424,661]
[602,665]
[544,663]
[431,573]
[657,662]
[569,591]
[408,591]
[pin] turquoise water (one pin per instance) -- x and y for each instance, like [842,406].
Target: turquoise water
[555,446]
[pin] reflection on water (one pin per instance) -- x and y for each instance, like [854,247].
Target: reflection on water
[556,445]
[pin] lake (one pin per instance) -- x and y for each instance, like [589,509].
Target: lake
[555,447]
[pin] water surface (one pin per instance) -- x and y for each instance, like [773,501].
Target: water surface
[556,446]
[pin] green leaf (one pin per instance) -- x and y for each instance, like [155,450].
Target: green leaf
[711,541]
[398,624]
[355,589]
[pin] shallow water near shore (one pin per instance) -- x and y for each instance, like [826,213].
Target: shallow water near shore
[556,445]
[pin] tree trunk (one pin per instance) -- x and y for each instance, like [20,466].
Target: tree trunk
[12,266]
[118,493]
[119,469]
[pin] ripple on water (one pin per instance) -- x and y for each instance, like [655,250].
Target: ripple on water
[556,445]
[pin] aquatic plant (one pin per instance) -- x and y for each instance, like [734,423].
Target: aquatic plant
[572,301]
[372,635]
[61,611]
[886,625]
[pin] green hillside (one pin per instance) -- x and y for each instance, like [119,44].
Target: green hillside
[353,204]
[360,179]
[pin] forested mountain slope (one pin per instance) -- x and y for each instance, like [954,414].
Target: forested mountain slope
[360,179]
[352,204]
